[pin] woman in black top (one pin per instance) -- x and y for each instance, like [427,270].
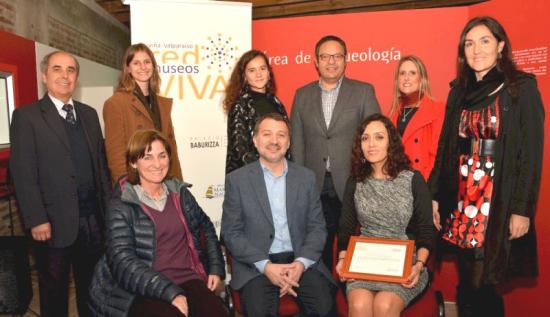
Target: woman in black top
[249,95]
[486,176]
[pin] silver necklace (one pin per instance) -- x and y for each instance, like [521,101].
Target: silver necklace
[406,113]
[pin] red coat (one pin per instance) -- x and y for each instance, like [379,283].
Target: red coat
[422,134]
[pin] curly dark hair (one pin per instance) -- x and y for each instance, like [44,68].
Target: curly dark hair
[237,83]
[397,159]
[505,62]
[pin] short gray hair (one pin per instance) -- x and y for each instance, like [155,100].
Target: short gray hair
[46,61]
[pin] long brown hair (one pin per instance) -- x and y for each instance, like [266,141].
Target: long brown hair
[397,159]
[126,82]
[505,62]
[423,90]
[237,82]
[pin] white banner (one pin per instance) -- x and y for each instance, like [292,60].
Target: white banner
[196,45]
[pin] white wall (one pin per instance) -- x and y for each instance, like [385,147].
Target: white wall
[96,82]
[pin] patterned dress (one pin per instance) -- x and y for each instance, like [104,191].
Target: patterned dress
[384,210]
[467,224]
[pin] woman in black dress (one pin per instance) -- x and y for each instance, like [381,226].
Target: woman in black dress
[486,176]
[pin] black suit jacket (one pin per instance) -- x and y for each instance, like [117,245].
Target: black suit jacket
[43,172]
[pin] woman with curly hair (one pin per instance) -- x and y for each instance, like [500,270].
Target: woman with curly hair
[249,95]
[387,199]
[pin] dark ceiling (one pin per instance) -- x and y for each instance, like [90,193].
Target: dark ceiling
[263,9]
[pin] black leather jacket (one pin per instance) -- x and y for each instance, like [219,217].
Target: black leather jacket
[240,125]
[126,268]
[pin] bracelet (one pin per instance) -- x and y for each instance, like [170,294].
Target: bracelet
[339,259]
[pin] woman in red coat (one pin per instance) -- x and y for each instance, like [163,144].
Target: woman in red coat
[416,115]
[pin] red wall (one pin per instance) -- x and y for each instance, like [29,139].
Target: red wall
[406,32]
[433,35]
[18,54]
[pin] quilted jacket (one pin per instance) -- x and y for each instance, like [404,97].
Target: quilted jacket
[126,268]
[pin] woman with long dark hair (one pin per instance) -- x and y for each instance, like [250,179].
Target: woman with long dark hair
[137,105]
[249,95]
[387,199]
[486,176]
[417,116]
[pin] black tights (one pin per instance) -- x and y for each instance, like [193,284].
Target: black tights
[474,298]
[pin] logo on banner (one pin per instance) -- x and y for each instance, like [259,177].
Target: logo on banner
[207,142]
[196,70]
[221,54]
[215,191]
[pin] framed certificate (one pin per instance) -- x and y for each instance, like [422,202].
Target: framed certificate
[378,259]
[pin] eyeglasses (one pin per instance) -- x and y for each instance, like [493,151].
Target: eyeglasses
[327,57]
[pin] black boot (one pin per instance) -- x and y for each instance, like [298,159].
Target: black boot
[464,301]
[488,302]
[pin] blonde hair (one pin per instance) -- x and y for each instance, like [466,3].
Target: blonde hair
[423,89]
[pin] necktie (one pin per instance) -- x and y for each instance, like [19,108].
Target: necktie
[70,113]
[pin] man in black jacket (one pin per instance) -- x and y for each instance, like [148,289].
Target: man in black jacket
[62,184]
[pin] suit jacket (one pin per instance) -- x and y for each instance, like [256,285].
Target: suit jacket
[43,171]
[123,115]
[312,142]
[422,134]
[247,223]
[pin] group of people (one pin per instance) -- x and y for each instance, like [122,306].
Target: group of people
[139,244]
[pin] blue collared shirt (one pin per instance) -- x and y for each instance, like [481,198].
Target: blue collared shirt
[276,192]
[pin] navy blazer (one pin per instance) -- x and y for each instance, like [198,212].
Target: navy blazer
[247,223]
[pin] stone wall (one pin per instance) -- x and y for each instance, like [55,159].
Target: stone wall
[80,27]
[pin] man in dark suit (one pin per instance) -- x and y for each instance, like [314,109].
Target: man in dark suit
[62,184]
[325,114]
[273,227]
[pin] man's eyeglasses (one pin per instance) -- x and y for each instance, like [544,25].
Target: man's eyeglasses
[327,57]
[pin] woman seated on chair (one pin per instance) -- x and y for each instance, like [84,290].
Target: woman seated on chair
[155,263]
[388,200]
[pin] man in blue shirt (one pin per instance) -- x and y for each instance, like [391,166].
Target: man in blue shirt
[274,228]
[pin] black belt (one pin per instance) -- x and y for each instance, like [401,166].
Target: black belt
[481,147]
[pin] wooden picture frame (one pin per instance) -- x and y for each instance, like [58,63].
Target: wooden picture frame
[378,259]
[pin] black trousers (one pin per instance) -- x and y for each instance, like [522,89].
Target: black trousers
[331,209]
[474,298]
[259,297]
[54,266]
